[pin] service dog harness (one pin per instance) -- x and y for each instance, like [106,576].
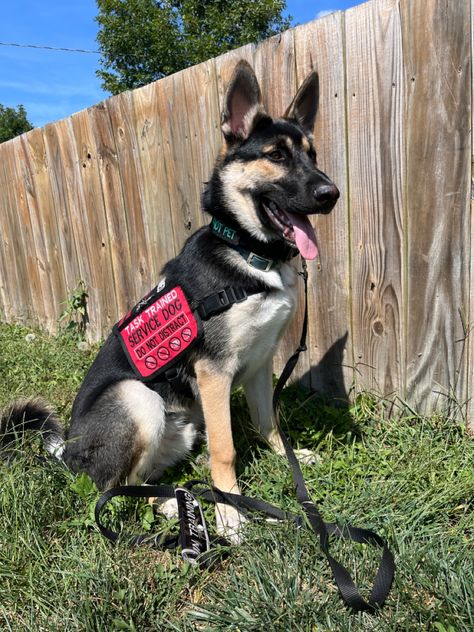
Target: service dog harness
[159,328]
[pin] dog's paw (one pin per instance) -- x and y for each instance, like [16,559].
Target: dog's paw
[169,508]
[307,457]
[230,523]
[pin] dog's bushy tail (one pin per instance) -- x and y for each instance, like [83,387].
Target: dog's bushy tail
[32,414]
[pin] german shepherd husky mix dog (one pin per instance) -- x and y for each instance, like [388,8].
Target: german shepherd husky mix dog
[264,186]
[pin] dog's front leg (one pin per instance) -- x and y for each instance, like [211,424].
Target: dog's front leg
[259,395]
[214,389]
[258,392]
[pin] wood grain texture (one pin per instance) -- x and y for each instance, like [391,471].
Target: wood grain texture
[41,204]
[275,67]
[154,181]
[91,213]
[436,36]
[375,105]
[115,210]
[121,114]
[203,114]
[319,46]
[469,324]
[29,248]
[55,136]
[185,214]
[6,314]
[16,272]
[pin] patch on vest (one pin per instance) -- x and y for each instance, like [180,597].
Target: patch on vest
[157,331]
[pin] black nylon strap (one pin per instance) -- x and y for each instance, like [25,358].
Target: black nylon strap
[342,577]
[221,301]
[347,588]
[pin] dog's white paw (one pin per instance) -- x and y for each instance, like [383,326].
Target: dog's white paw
[230,523]
[169,508]
[307,457]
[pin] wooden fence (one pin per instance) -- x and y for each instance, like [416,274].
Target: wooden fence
[111,193]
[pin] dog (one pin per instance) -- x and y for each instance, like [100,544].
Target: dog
[264,186]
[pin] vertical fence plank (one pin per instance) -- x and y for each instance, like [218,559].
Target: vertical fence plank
[5,306]
[469,359]
[185,213]
[275,67]
[202,106]
[18,281]
[109,174]
[73,197]
[53,139]
[375,89]
[123,128]
[437,47]
[15,278]
[25,256]
[29,245]
[154,185]
[42,204]
[99,276]
[319,46]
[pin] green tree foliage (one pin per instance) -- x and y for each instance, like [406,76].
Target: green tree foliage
[144,40]
[13,122]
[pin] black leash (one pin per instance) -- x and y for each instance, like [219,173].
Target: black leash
[197,544]
[347,588]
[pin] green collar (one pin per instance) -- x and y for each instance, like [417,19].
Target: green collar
[232,238]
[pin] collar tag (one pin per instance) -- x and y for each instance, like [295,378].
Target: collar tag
[224,232]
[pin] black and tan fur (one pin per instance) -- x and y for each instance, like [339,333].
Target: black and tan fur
[125,430]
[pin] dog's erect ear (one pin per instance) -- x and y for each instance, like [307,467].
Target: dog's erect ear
[305,104]
[242,104]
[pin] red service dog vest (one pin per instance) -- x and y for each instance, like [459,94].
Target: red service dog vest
[157,331]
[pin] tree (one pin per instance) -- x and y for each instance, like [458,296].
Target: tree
[13,122]
[144,40]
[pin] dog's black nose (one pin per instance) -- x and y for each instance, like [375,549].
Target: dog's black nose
[326,195]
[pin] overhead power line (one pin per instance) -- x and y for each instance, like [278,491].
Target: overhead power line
[67,50]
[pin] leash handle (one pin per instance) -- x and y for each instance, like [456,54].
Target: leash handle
[194,539]
[386,570]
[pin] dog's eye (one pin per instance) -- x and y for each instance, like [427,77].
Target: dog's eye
[277,155]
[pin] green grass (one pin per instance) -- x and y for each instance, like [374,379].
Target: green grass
[409,478]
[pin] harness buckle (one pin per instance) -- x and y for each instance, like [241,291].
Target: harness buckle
[238,294]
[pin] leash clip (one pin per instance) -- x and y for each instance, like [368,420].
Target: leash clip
[304,269]
[193,535]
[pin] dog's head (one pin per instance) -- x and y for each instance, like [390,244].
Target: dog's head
[266,180]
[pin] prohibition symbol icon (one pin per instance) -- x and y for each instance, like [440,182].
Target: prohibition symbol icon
[186,334]
[163,353]
[151,362]
[175,344]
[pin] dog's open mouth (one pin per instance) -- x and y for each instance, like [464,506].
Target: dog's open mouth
[295,228]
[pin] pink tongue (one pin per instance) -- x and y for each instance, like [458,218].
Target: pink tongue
[304,235]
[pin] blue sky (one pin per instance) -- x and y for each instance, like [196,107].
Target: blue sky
[51,84]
